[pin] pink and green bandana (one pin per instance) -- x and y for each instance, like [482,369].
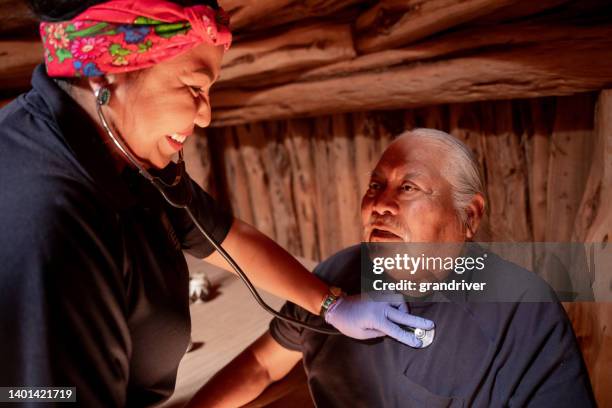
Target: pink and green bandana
[126,35]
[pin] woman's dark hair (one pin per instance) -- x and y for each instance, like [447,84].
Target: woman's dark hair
[61,10]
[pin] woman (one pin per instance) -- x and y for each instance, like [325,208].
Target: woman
[94,284]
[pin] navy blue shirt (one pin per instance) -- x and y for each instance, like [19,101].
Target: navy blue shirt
[93,281]
[483,354]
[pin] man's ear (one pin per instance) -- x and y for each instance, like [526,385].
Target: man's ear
[474,212]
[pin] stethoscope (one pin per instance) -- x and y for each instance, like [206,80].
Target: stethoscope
[103,95]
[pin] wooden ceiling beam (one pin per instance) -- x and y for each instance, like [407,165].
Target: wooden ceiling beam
[552,68]
[468,41]
[394,23]
[296,49]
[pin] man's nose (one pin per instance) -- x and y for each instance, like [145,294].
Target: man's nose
[203,114]
[386,203]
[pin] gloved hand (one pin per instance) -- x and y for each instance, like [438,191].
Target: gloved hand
[367,319]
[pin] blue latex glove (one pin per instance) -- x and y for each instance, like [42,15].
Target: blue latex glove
[367,319]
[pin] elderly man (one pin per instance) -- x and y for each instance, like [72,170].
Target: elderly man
[425,188]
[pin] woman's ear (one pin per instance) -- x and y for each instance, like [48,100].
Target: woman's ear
[474,212]
[97,82]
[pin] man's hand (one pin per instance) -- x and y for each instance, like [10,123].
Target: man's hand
[367,319]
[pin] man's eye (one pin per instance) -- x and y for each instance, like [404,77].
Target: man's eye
[374,186]
[408,188]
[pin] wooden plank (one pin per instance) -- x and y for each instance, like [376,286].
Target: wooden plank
[506,173]
[297,48]
[277,164]
[594,218]
[461,42]
[343,177]
[570,155]
[393,23]
[522,9]
[592,321]
[366,151]
[530,71]
[245,14]
[537,154]
[308,9]
[197,160]
[327,201]
[251,15]
[251,142]
[236,176]
[303,183]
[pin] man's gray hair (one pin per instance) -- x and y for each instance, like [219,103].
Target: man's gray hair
[462,170]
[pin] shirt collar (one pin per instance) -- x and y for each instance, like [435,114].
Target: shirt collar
[79,132]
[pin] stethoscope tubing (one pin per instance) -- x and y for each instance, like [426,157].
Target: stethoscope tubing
[102,97]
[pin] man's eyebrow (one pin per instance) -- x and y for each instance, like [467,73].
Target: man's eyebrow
[413,174]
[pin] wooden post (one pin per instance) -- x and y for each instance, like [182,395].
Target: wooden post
[570,157]
[327,199]
[342,159]
[304,183]
[592,321]
[252,142]
[366,150]
[506,174]
[277,164]
[237,180]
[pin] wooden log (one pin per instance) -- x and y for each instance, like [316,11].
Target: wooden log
[244,14]
[539,70]
[343,177]
[537,154]
[570,156]
[591,322]
[393,23]
[383,131]
[506,173]
[304,183]
[297,48]
[18,60]
[458,43]
[197,160]
[594,218]
[305,9]
[236,176]
[593,225]
[521,9]
[327,210]
[250,15]
[252,142]
[277,164]
[366,150]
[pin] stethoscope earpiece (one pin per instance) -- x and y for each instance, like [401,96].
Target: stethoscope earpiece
[103,95]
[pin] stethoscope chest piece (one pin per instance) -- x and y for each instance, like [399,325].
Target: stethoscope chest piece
[426,336]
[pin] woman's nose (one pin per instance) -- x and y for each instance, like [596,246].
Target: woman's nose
[203,114]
